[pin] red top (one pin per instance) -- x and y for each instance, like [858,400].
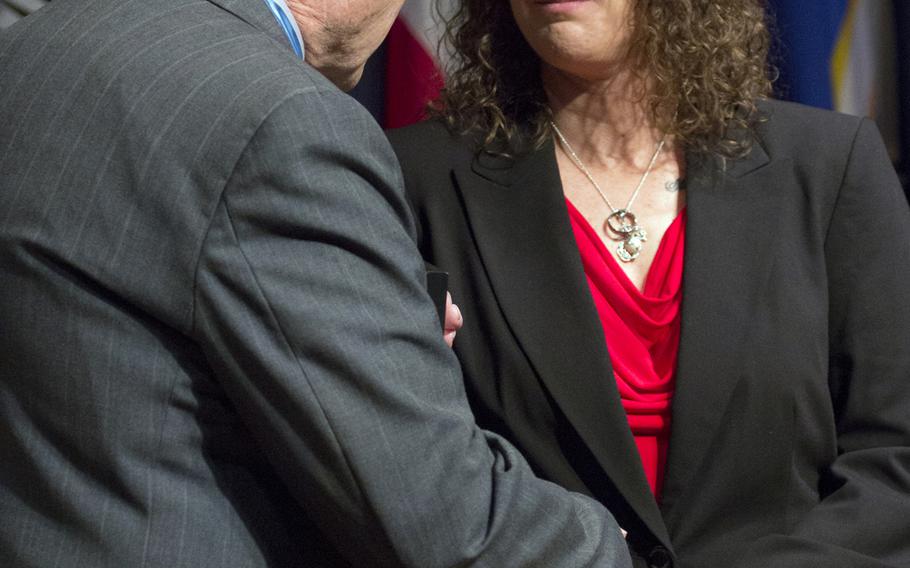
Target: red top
[642,334]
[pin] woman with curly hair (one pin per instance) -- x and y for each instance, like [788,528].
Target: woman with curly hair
[681,297]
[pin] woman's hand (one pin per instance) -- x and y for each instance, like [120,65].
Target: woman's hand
[453,322]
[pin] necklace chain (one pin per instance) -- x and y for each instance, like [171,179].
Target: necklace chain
[581,166]
[621,225]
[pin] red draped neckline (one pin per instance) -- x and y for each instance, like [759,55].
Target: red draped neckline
[641,329]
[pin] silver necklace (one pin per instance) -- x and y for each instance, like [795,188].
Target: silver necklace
[621,225]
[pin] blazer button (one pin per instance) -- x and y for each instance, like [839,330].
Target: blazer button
[659,557]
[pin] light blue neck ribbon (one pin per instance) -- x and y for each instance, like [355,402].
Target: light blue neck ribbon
[283,19]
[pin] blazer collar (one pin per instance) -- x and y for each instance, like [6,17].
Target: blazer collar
[256,14]
[508,170]
[518,214]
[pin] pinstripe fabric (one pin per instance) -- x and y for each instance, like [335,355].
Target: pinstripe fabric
[215,347]
[12,11]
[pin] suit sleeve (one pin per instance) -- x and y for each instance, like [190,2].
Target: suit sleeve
[863,517]
[311,307]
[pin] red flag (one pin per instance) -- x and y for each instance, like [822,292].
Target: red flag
[413,71]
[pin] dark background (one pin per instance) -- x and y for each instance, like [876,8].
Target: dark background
[902,18]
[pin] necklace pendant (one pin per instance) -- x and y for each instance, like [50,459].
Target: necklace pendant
[623,227]
[630,247]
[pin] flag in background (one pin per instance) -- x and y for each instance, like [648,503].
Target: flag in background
[414,64]
[841,54]
[807,32]
[864,67]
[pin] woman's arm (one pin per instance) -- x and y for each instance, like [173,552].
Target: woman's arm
[863,517]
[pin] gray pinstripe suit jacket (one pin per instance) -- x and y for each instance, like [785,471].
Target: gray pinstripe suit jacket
[215,346]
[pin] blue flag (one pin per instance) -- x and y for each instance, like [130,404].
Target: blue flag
[808,32]
[842,55]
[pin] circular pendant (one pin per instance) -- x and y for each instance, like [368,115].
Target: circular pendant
[630,247]
[623,227]
[621,223]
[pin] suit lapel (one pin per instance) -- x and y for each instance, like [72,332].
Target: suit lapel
[732,219]
[518,214]
[257,14]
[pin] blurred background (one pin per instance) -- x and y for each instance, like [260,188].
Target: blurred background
[852,56]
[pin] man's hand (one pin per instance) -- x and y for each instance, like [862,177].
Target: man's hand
[453,322]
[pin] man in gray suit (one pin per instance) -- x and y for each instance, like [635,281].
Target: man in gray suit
[216,348]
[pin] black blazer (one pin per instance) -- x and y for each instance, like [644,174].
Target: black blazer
[790,441]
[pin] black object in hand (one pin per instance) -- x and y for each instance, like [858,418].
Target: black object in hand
[437,286]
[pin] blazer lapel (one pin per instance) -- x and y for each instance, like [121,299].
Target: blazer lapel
[732,219]
[257,14]
[517,211]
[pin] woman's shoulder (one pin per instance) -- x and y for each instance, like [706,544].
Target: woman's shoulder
[428,152]
[821,146]
[430,145]
[794,130]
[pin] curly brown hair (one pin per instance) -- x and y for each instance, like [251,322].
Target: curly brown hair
[706,63]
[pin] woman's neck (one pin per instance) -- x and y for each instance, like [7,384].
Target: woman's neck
[605,120]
